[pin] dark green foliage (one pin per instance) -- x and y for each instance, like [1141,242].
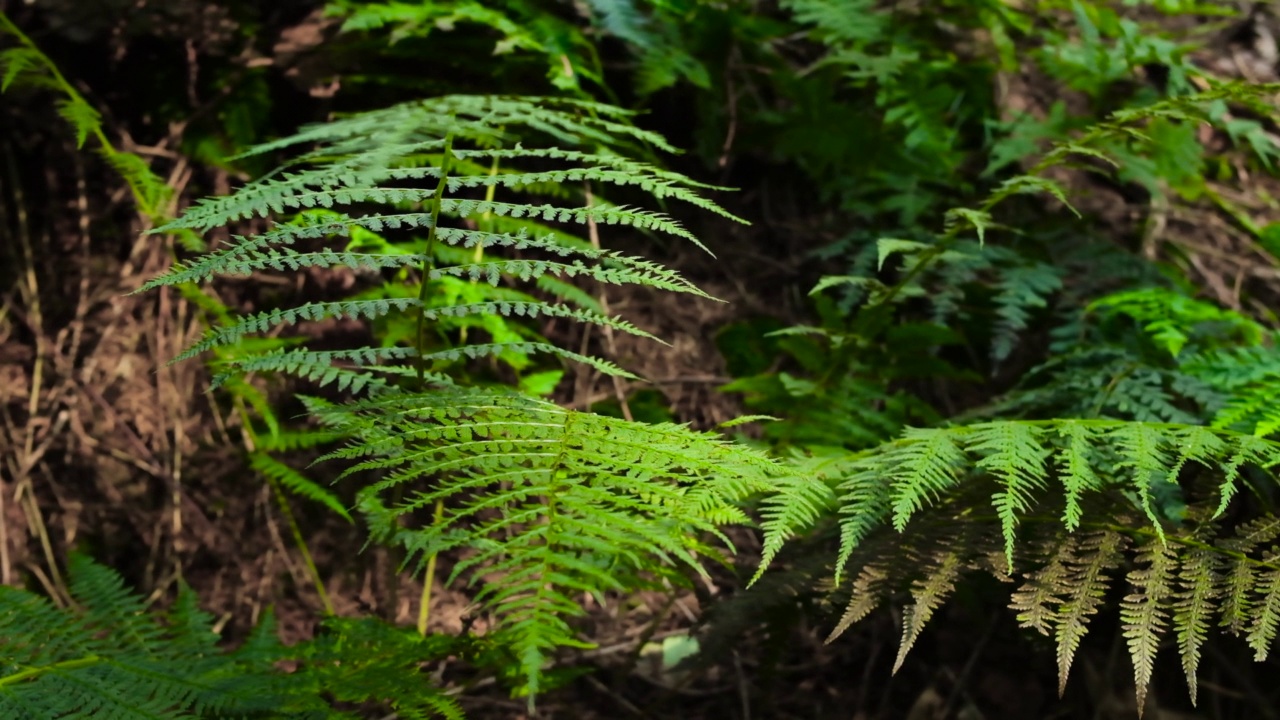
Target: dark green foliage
[115,660]
[568,46]
[112,658]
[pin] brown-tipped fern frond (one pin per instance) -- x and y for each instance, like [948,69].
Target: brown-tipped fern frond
[1070,507]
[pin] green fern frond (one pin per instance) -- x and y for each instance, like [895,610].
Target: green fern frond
[1168,316]
[794,504]
[1075,460]
[27,65]
[1015,454]
[552,502]
[924,464]
[607,267]
[116,660]
[1143,452]
[927,464]
[321,366]
[355,660]
[113,658]
[536,504]
[372,309]
[16,62]
[82,118]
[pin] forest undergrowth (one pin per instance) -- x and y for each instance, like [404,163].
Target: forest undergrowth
[655,358]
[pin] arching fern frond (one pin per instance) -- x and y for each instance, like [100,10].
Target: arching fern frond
[552,502]
[1061,501]
[26,65]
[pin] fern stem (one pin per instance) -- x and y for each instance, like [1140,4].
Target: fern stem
[428,259]
[24,675]
[428,262]
[484,223]
[424,609]
[314,572]
[1192,543]
[1106,392]
[593,232]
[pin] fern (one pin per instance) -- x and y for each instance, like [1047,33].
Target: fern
[296,482]
[586,501]
[540,504]
[1102,478]
[26,65]
[1112,485]
[520,25]
[649,29]
[115,659]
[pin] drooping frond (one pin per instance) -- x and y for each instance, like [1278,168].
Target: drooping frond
[1014,453]
[1199,586]
[26,65]
[296,482]
[927,594]
[1144,612]
[1060,501]
[795,502]
[1085,594]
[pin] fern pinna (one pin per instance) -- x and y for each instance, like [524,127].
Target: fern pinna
[547,503]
